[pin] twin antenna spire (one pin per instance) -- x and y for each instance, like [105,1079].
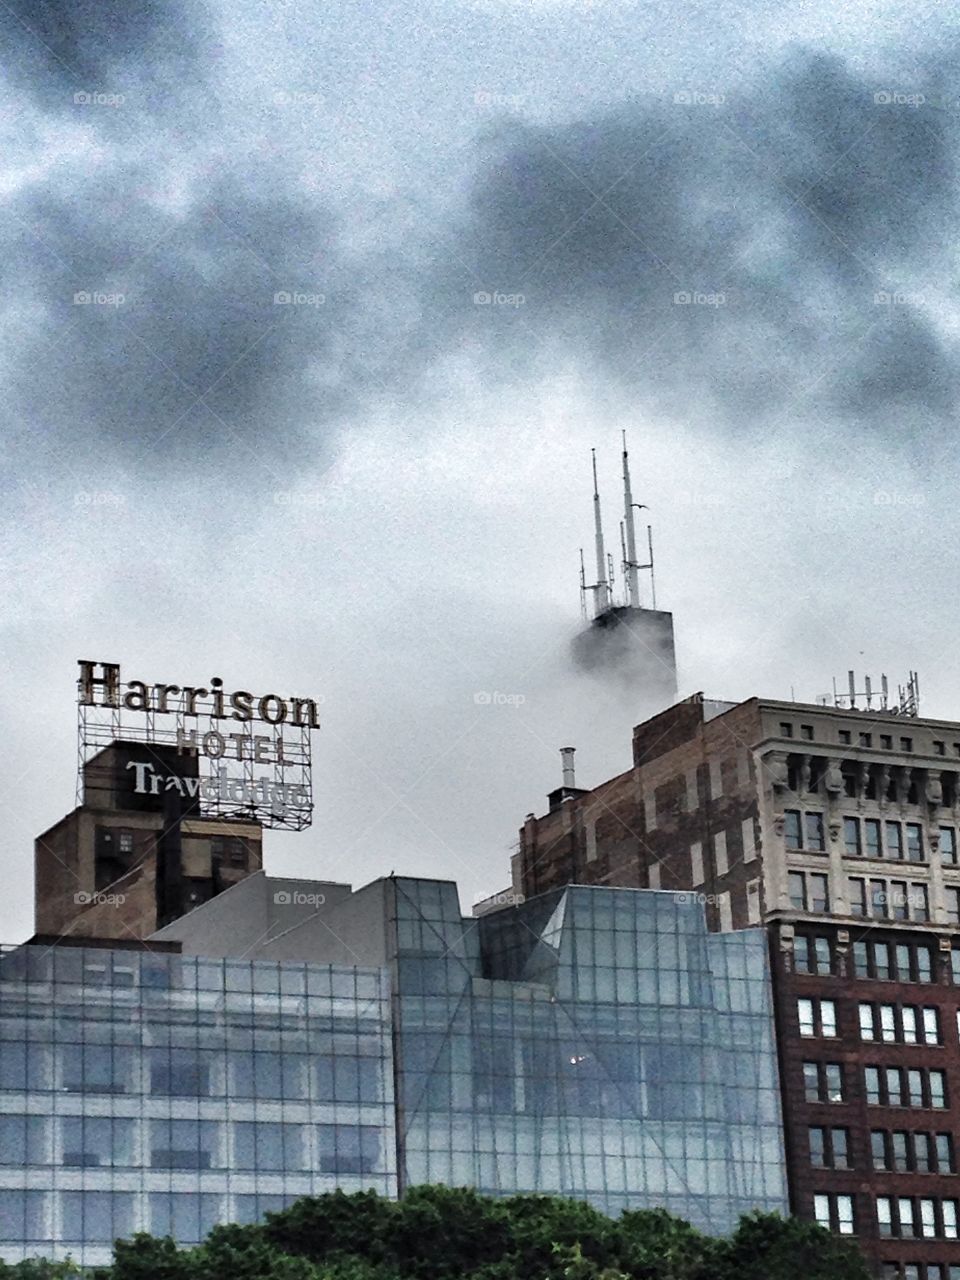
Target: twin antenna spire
[602,589]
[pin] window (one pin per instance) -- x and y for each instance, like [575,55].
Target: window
[834,1212]
[96,1217]
[23,1138]
[871,838]
[893,1087]
[92,1142]
[823,1081]
[806,732]
[931,1026]
[919,903]
[888,1026]
[943,1147]
[268,1146]
[856,891]
[815,840]
[186,1216]
[792,830]
[181,1073]
[98,1068]
[948,845]
[812,954]
[938,1089]
[184,1144]
[924,1088]
[893,834]
[939,748]
[907,1219]
[864,739]
[921,1152]
[348,1148]
[906,744]
[808,891]
[844,736]
[786,729]
[952,896]
[886,741]
[914,842]
[817,892]
[879,1153]
[867,1029]
[817,1017]
[818,1147]
[851,836]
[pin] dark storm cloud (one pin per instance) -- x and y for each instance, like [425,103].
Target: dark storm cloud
[176,296]
[769,255]
[52,45]
[192,333]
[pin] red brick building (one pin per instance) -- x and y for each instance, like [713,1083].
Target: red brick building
[839,831]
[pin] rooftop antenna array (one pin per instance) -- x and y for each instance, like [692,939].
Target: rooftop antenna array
[631,567]
[869,699]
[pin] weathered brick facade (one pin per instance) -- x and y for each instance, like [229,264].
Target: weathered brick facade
[817,822]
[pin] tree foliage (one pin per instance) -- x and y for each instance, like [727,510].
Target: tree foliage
[448,1233]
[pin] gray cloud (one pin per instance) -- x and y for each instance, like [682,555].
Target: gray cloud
[729,258]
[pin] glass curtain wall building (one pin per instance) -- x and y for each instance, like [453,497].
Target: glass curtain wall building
[594,1043]
[158,1092]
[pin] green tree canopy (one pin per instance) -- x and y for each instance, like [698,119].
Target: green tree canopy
[446,1233]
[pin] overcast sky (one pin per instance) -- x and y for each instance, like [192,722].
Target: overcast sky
[376,494]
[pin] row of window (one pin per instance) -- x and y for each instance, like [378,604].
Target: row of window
[876,898]
[869,837]
[892,1023]
[897,1151]
[903,1152]
[905,1217]
[897,962]
[883,961]
[100,1217]
[899,1024]
[865,739]
[884,1086]
[91,1142]
[182,1072]
[902,1086]
[886,961]
[919,1271]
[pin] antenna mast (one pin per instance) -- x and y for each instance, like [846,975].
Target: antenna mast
[630,566]
[602,586]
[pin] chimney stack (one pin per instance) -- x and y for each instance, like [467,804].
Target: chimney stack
[569,775]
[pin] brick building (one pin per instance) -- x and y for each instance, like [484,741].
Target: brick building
[837,830]
[123,864]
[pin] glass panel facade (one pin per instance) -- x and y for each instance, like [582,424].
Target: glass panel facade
[594,1043]
[187,1096]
